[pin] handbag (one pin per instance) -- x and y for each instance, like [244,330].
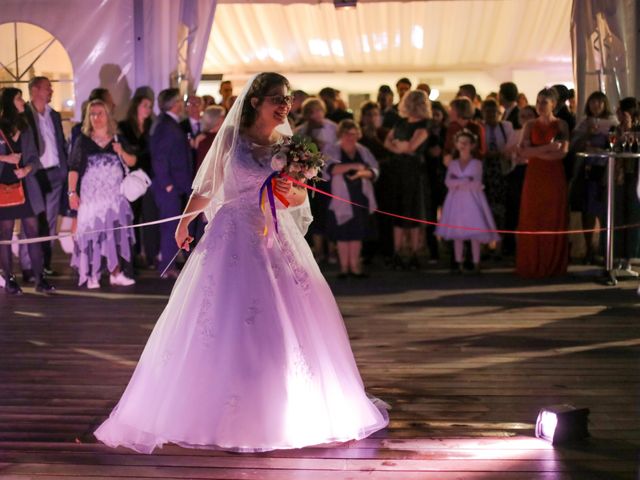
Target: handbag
[135,183]
[11,194]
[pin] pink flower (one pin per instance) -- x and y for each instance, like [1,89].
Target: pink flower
[309,173]
[279,161]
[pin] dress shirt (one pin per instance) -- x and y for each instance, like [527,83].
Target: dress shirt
[195,126]
[498,139]
[49,156]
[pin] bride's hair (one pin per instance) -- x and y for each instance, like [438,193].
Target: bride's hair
[258,89]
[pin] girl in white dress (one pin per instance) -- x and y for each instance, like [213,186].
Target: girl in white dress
[466,214]
[251,352]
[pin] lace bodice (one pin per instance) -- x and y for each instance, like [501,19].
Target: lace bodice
[250,167]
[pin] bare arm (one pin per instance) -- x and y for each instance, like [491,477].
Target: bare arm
[195,204]
[127,157]
[11,159]
[418,138]
[558,150]
[525,149]
[390,143]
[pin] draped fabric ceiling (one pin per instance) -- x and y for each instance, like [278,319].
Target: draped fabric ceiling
[115,44]
[389,36]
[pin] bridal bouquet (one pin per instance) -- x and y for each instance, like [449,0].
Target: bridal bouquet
[299,158]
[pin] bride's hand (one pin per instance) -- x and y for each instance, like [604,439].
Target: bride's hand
[283,186]
[183,239]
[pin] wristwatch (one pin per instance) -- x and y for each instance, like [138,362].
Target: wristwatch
[71,192]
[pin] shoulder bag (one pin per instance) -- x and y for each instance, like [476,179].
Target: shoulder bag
[135,183]
[11,194]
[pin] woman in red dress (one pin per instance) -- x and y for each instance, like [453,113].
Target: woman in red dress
[545,142]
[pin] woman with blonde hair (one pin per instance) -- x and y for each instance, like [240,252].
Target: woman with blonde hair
[324,133]
[408,142]
[96,170]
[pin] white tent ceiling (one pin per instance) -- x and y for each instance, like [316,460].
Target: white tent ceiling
[389,36]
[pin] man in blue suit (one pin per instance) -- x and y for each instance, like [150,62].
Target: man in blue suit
[172,168]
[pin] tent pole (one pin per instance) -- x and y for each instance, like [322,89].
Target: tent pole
[138,41]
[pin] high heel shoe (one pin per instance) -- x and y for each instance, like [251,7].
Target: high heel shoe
[44,287]
[12,287]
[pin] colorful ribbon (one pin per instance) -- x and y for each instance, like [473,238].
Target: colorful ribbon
[267,192]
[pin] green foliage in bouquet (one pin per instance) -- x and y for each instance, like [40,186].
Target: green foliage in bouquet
[298,157]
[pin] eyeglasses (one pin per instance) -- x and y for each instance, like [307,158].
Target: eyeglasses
[280,99]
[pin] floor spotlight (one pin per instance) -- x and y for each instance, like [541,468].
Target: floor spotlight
[562,423]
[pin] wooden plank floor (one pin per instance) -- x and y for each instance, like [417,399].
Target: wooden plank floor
[465,362]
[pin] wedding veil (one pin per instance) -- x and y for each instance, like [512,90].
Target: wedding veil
[209,179]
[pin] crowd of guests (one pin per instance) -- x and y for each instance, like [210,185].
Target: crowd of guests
[473,165]
[44,175]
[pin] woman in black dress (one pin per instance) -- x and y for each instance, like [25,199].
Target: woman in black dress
[408,142]
[373,135]
[351,168]
[135,130]
[435,173]
[18,162]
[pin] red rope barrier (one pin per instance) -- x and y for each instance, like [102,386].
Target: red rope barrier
[459,227]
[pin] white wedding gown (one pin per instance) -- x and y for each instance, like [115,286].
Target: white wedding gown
[251,352]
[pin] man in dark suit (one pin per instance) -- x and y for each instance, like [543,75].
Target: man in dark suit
[191,124]
[508,96]
[46,126]
[172,168]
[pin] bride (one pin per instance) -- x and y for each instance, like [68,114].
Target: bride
[251,353]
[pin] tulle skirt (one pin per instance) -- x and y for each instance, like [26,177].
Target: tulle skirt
[470,209]
[250,354]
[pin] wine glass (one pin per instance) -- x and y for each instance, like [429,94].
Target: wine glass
[613,138]
[625,139]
